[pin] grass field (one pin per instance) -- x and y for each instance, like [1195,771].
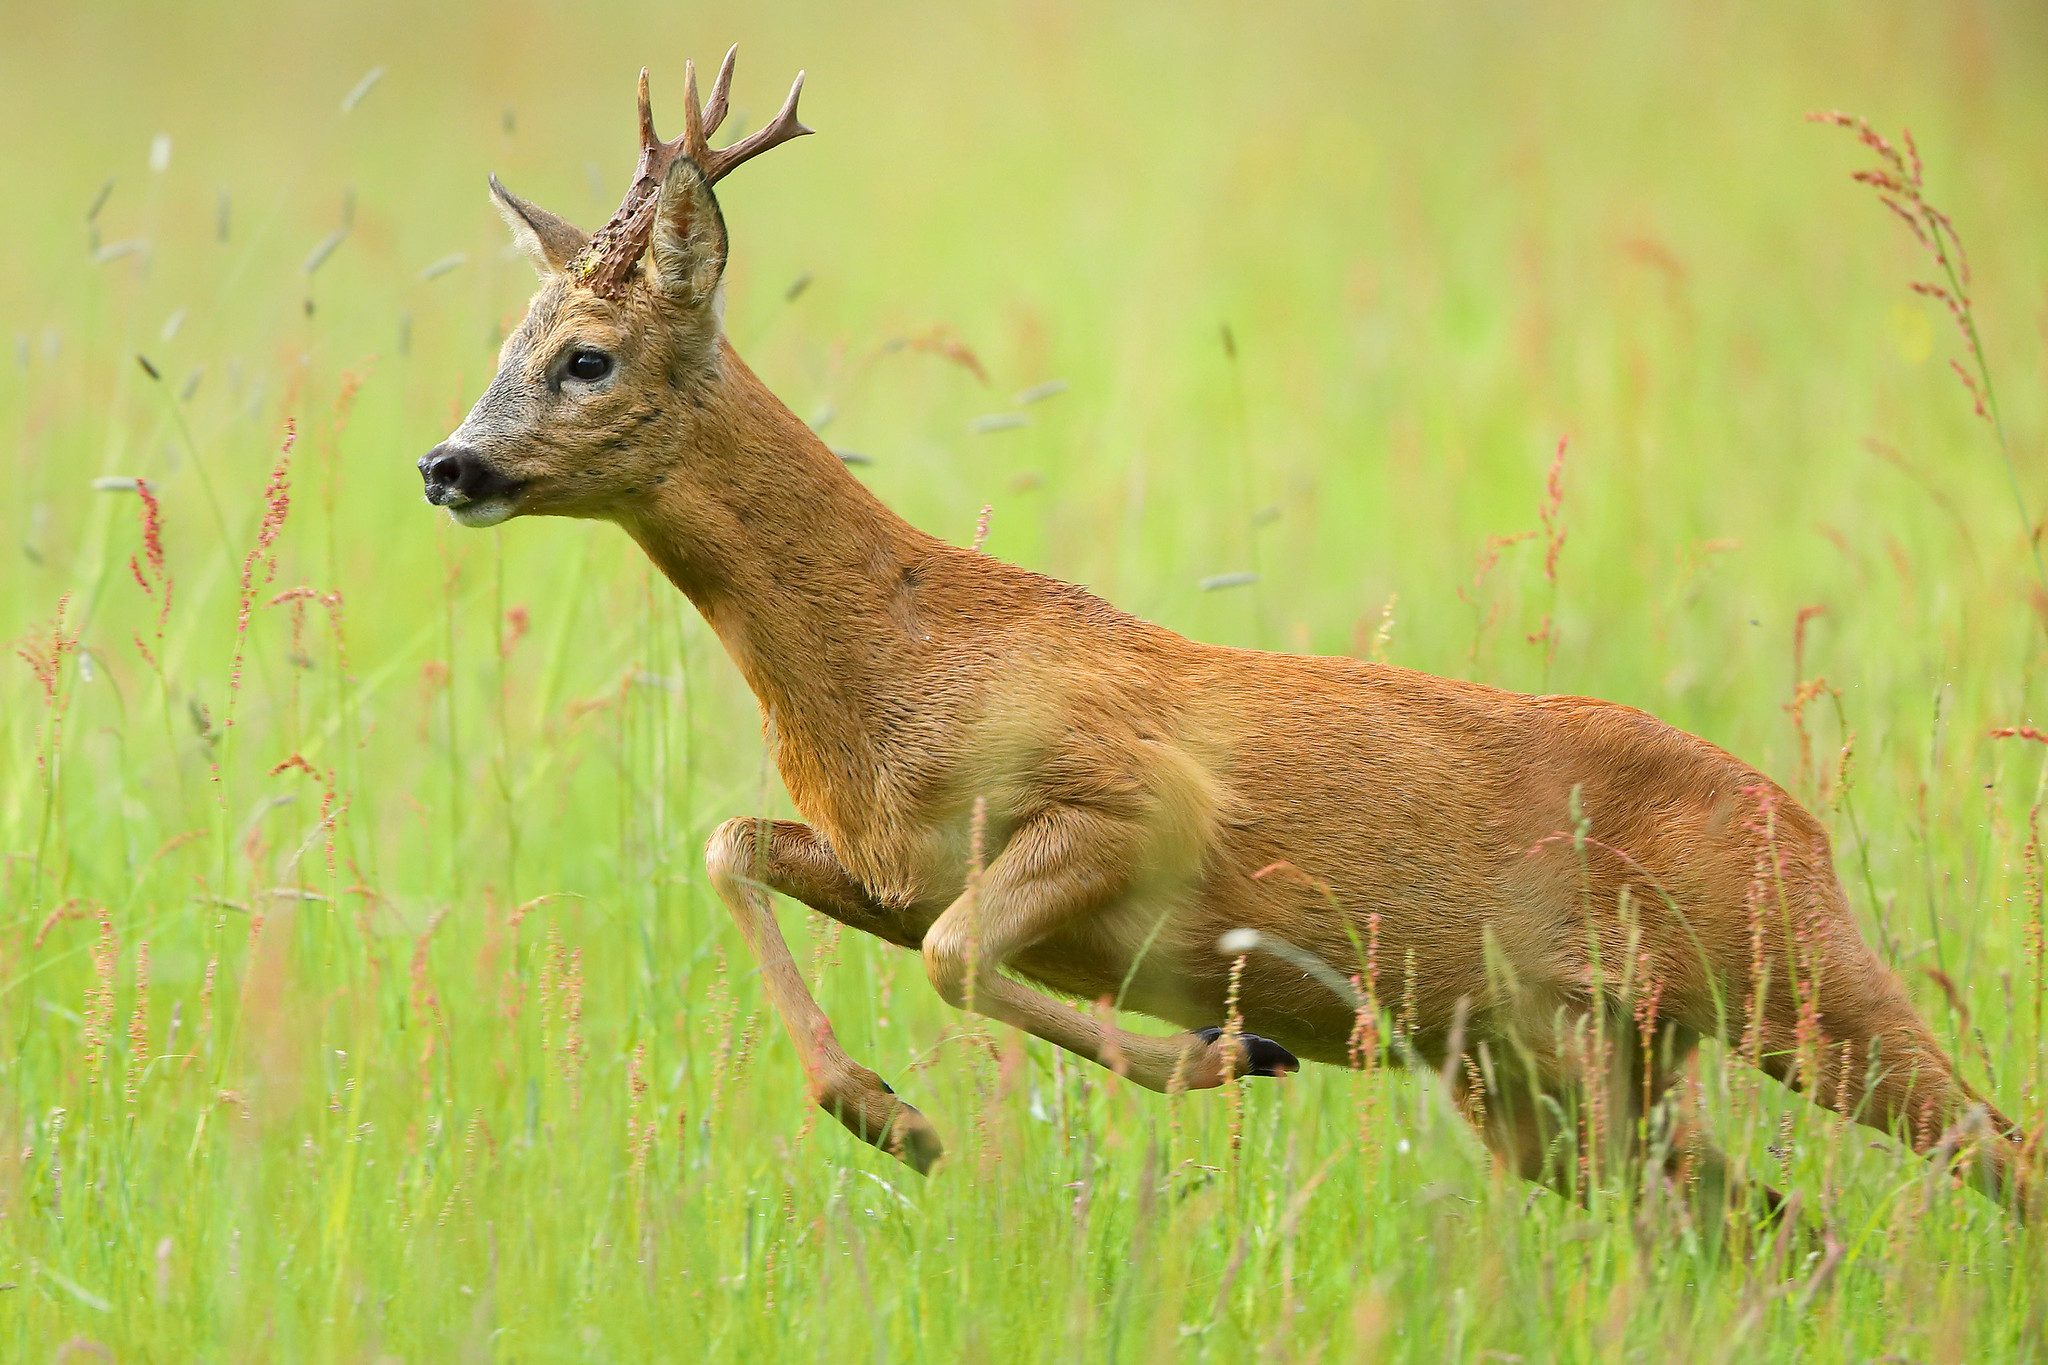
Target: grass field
[361,995]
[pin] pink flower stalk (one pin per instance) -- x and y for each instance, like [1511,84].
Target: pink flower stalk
[328,813]
[150,573]
[277,505]
[572,1028]
[2020,732]
[138,1025]
[99,1000]
[1900,185]
[517,622]
[46,661]
[299,597]
[1549,513]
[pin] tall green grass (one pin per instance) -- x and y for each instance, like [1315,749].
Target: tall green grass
[364,999]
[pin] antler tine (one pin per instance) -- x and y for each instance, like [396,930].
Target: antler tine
[693,143]
[719,164]
[721,89]
[647,136]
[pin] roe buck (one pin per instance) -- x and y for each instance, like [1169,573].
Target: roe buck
[1141,795]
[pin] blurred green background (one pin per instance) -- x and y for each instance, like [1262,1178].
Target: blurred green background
[1324,286]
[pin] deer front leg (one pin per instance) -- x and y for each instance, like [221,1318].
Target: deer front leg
[746,859]
[1060,866]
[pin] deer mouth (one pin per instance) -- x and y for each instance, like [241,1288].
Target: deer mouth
[488,512]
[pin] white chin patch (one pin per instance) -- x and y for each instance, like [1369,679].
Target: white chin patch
[482,513]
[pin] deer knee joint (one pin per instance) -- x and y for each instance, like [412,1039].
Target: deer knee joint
[731,852]
[946,966]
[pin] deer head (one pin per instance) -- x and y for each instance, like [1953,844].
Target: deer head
[600,389]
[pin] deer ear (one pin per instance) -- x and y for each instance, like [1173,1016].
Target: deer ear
[549,242]
[687,247]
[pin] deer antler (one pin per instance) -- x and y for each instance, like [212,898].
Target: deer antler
[605,264]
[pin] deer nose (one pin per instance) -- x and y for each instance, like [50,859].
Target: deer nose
[456,474]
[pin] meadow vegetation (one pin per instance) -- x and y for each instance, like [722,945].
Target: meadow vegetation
[361,995]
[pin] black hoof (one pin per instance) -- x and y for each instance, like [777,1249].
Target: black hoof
[1262,1056]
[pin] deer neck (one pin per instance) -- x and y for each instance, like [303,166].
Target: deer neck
[805,576]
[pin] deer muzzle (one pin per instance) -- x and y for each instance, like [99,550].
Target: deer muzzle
[475,492]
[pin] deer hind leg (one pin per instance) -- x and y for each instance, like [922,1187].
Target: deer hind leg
[746,859]
[1065,864]
[1592,1107]
[1866,1054]
[1527,1116]
[1666,1137]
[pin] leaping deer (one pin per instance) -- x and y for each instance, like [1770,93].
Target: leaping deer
[1135,791]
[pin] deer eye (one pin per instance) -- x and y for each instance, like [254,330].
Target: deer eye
[589,366]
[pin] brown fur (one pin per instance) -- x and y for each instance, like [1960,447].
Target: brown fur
[1136,786]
